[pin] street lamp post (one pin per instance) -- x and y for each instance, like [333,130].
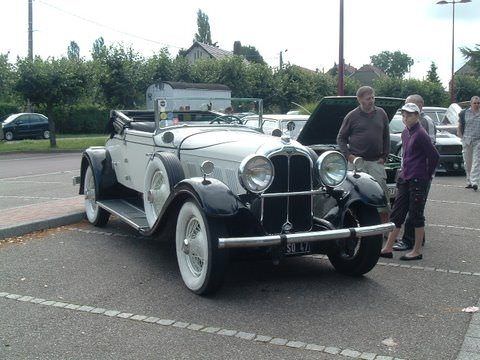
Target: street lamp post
[452,81]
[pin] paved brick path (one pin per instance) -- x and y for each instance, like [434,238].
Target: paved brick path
[41,212]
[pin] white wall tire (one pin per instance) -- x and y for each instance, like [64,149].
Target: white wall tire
[9,136]
[201,263]
[95,215]
[163,172]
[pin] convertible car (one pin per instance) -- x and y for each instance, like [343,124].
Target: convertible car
[218,188]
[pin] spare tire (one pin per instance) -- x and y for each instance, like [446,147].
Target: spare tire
[163,172]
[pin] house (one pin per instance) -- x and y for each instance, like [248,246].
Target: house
[348,70]
[467,69]
[367,74]
[200,50]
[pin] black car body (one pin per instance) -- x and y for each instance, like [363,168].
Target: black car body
[25,125]
[448,145]
[321,130]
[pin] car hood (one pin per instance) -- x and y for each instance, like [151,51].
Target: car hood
[323,125]
[223,143]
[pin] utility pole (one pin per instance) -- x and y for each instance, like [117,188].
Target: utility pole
[281,58]
[341,61]
[30,30]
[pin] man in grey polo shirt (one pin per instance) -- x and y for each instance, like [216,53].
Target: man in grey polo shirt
[469,131]
[365,133]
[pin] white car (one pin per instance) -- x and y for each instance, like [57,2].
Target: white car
[216,187]
[278,124]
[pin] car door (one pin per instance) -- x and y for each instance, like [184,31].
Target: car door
[22,126]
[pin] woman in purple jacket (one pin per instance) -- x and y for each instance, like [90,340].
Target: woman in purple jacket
[420,158]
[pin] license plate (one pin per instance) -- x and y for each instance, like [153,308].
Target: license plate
[392,192]
[298,248]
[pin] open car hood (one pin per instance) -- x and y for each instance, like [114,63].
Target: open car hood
[323,125]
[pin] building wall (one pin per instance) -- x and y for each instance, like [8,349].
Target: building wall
[196,53]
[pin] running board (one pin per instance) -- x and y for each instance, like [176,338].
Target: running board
[129,213]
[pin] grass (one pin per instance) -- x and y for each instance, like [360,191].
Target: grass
[69,142]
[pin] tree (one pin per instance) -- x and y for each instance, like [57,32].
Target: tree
[99,49]
[120,73]
[51,83]
[7,78]
[474,57]
[433,93]
[432,75]
[466,86]
[395,64]
[203,35]
[73,51]
[248,52]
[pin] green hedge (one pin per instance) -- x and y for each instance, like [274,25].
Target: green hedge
[79,118]
[7,109]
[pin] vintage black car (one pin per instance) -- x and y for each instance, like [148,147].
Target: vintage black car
[218,188]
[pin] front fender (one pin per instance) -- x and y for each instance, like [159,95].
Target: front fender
[364,188]
[216,198]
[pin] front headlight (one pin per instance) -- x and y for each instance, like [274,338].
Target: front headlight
[332,167]
[256,173]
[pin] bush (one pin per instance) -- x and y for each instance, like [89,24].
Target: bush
[80,119]
[7,109]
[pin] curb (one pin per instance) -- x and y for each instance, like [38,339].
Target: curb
[22,229]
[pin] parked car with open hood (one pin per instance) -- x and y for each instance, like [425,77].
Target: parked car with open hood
[217,188]
[321,130]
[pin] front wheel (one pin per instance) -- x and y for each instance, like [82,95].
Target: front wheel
[9,136]
[95,214]
[202,264]
[357,256]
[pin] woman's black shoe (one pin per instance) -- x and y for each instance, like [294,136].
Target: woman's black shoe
[408,258]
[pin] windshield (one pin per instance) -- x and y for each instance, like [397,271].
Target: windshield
[397,125]
[10,118]
[176,111]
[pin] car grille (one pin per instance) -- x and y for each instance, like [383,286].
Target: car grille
[449,149]
[292,173]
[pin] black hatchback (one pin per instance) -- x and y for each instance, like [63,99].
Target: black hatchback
[25,125]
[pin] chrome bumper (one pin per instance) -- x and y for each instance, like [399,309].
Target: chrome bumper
[272,240]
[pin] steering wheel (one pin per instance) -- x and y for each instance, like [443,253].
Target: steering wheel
[228,119]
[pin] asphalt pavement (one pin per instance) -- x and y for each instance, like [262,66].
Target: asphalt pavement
[80,292]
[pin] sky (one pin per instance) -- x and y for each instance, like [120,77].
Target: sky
[305,31]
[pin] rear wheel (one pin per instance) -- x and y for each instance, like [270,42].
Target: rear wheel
[202,264]
[357,256]
[9,136]
[95,214]
[46,134]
